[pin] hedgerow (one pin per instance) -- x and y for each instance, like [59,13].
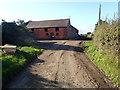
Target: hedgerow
[106,44]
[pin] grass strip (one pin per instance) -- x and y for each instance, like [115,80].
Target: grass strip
[12,63]
[107,63]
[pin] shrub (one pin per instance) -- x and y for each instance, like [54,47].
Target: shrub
[106,38]
[15,34]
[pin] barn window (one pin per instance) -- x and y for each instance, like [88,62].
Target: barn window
[47,34]
[57,34]
[57,29]
[46,29]
[32,30]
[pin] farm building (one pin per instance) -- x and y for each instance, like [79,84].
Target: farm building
[53,29]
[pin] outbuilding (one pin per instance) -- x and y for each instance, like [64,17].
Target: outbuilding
[53,29]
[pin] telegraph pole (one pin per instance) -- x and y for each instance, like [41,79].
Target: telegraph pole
[99,20]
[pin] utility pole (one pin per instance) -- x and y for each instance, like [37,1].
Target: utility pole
[99,20]
[119,13]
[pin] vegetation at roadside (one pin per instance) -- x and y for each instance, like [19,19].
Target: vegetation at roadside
[16,33]
[107,64]
[11,64]
[104,49]
[106,37]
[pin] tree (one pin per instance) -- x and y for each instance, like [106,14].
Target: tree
[9,32]
[13,33]
[20,22]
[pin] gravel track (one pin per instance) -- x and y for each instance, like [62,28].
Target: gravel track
[63,64]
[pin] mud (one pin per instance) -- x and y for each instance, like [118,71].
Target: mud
[63,64]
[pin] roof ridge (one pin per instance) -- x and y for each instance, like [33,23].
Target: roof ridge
[49,23]
[51,20]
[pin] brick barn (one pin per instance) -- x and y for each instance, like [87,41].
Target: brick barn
[53,29]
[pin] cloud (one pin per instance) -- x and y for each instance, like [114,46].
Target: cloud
[85,29]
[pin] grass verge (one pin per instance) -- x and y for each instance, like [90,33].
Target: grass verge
[108,64]
[11,64]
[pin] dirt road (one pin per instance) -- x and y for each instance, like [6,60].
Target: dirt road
[62,65]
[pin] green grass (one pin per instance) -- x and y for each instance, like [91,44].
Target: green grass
[11,64]
[103,61]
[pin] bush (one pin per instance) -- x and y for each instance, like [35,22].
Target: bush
[106,38]
[15,34]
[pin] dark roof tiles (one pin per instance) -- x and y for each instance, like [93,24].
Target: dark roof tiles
[49,23]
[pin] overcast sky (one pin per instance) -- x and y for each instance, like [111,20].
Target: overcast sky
[83,15]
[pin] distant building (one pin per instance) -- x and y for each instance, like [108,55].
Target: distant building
[53,29]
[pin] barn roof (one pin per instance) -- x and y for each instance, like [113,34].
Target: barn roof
[49,23]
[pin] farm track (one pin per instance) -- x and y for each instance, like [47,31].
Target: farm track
[62,65]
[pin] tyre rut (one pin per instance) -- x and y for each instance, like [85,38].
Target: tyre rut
[65,66]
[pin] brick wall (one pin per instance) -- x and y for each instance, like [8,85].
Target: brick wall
[72,32]
[42,34]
